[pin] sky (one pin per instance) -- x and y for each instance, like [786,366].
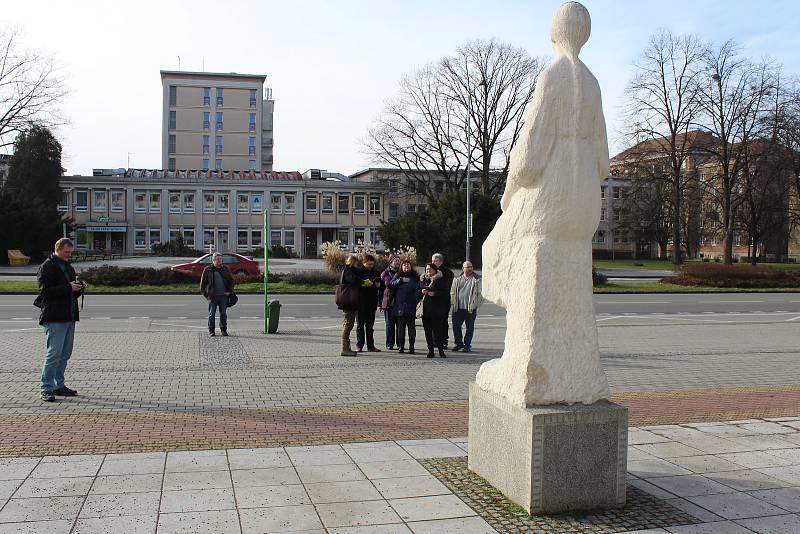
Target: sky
[332,65]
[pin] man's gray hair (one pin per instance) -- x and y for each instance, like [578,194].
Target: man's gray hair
[64,242]
[438,256]
[216,255]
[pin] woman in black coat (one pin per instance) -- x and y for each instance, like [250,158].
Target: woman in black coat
[405,287]
[350,278]
[435,306]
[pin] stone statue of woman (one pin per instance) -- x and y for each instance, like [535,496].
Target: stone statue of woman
[537,261]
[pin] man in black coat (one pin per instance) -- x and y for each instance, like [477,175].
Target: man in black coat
[367,304]
[58,300]
[447,275]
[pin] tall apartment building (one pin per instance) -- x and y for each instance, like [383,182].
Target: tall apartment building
[215,121]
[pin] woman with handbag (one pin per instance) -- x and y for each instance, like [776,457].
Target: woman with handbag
[405,288]
[347,297]
[216,285]
[435,306]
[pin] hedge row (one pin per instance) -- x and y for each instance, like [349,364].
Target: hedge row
[130,276]
[735,275]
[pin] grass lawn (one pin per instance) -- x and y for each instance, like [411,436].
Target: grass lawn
[658,287]
[652,265]
[13,286]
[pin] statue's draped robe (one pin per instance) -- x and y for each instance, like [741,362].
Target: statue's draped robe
[537,261]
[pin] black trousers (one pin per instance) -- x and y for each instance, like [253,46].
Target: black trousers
[433,331]
[365,326]
[406,322]
[445,327]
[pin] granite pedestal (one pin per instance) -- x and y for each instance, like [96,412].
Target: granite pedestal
[553,458]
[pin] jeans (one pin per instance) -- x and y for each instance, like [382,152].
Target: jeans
[220,302]
[460,317]
[365,326]
[406,323]
[60,337]
[391,322]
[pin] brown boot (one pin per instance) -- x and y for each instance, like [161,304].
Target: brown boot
[346,350]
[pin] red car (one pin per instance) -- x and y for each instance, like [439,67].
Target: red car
[235,262]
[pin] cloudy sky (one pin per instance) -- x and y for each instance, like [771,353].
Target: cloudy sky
[331,64]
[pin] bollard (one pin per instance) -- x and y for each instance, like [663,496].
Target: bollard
[274,315]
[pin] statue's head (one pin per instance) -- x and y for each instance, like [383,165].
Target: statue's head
[570,28]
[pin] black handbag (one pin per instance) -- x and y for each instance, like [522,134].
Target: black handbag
[232,300]
[346,295]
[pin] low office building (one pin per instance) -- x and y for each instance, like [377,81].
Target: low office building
[132,210]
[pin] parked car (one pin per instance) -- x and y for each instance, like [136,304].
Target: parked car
[235,262]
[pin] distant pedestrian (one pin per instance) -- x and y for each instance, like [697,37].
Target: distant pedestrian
[216,284]
[435,297]
[350,278]
[387,297]
[405,287]
[59,290]
[367,304]
[465,297]
[447,273]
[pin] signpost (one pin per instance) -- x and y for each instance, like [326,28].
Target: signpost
[265,240]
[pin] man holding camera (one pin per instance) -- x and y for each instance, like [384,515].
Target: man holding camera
[59,290]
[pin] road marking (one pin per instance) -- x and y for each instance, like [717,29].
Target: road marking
[250,317]
[728,301]
[138,317]
[177,317]
[792,319]
[636,302]
[179,325]
[19,330]
[609,318]
[22,318]
[101,318]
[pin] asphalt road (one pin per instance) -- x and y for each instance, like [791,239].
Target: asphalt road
[19,307]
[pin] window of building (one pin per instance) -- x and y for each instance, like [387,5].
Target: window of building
[81,200]
[344,204]
[621,236]
[140,201]
[173,234]
[615,192]
[188,237]
[117,200]
[155,202]
[217,164]
[251,147]
[251,165]
[208,202]
[220,100]
[359,204]
[206,141]
[602,191]
[173,95]
[288,239]
[440,187]
[327,202]
[359,236]
[206,96]
[602,214]
[171,164]
[155,236]
[374,205]
[219,120]
[63,203]
[255,238]
[394,209]
[174,202]
[222,202]
[188,202]
[393,186]
[623,192]
[311,203]
[205,164]
[616,216]
[206,120]
[241,239]
[208,238]
[100,200]
[738,240]
[173,120]
[218,144]
[275,203]
[244,202]
[257,201]
[343,236]
[289,200]
[140,238]
[252,122]
[253,98]
[599,237]
[411,208]
[275,238]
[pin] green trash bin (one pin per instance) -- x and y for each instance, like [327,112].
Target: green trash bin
[274,315]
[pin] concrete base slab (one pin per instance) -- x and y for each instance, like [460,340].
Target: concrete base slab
[551,458]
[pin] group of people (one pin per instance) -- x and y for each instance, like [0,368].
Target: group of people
[403,296]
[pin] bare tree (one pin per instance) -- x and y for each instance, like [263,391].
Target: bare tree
[734,100]
[662,107]
[30,89]
[787,121]
[482,89]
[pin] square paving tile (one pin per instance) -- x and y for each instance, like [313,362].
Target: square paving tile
[735,505]
[652,489]
[264,477]
[322,457]
[346,514]
[41,509]
[403,487]
[707,463]
[786,498]
[779,524]
[131,456]
[368,445]
[641,437]
[690,485]
[137,466]
[726,431]
[258,458]
[393,469]
[655,468]
[768,428]
[279,519]
[138,524]
[690,508]
[193,461]
[711,444]
[395,528]
[37,527]
[311,474]
[671,449]
[7,489]
[67,469]
[126,483]
[718,527]
[436,450]
[747,480]
[462,525]
[789,455]
[758,443]
[789,474]
[426,508]
[216,522]
[200,480]
[197,500]
[54,487]
[755,459]
[379,454]
[119,504]
[16,468]
[268,496]
[354,490]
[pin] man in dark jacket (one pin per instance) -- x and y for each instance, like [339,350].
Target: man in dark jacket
[58,300]
[447,276]
[216,284]
[367,304]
